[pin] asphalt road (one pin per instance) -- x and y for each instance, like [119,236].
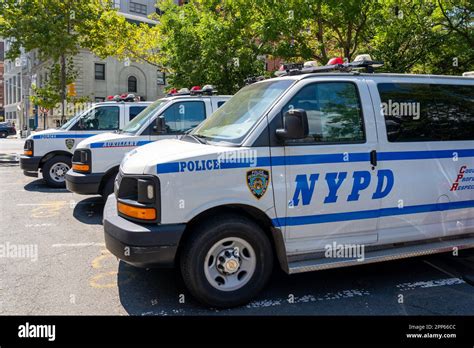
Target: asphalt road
[73,274]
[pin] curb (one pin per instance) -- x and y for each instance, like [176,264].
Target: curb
[9,158]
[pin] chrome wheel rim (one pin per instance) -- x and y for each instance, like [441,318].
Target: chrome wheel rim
[230,264]
[58,171]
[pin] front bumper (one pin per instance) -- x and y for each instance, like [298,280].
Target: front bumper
[83,183]
[141,245]
[29,164]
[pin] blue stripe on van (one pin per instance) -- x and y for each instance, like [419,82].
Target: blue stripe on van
[414,155]
[62,136]
[370,214]
[103,144]
[173,167]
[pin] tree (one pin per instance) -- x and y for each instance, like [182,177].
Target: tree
[208,42]
[56,28]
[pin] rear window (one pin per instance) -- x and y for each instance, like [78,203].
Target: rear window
[427,112]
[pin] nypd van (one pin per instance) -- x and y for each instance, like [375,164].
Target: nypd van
[50,151]
[96,159]
[316,169]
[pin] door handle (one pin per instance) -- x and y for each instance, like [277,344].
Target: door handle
[373,158]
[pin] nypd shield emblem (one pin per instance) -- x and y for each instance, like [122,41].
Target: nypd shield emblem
[69,143]
[257,181]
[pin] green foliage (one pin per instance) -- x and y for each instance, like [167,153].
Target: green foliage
[221,42]
[57,29]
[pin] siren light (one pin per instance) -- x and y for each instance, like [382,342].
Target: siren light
[335,61]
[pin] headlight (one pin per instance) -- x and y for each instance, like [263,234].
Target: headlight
[138,197]
[81,161]
[28,147]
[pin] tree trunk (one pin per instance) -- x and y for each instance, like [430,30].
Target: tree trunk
[63,88]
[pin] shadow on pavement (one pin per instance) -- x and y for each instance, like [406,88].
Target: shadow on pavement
[89,211]
[39,185]
[153,292]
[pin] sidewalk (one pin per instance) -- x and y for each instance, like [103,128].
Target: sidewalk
[10,149]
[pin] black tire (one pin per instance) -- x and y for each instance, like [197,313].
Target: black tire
[108,187]
[51,180]
[3,135]
[203,237]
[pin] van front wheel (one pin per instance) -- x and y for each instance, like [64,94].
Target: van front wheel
[226,261]
[54,171]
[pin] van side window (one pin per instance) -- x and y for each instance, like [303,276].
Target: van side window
[99,118]
[220,103]
[183,116]
[135,110]
[334,112]
[422,112]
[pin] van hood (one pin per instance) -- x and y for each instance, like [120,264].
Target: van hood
[41,134]
[102,138]
[145,159]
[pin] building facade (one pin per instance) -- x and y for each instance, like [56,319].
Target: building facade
[2,82]
[97,78]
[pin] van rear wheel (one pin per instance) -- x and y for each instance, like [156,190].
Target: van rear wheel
[55,169]
[226,261]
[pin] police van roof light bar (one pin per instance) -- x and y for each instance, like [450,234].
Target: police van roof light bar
[361,62]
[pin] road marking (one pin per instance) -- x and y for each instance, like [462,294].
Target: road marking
[430,284]
[71,204]
[111,277]
[309,298]
[77,245]
[39,225]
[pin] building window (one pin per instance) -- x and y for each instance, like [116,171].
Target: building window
[161,78]
[138,8]
[99,71]
[132,84]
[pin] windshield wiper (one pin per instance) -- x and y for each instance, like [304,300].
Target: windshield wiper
[199,138]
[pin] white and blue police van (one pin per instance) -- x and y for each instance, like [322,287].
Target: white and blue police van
[319,168]
[50,151]
[96,159]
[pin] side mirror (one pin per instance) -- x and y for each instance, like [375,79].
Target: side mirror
[160,126]
[295,125]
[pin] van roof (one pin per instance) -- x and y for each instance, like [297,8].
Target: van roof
[373,75]
[122,102]
[186,96]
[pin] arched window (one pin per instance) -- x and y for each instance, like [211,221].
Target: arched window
[132,84]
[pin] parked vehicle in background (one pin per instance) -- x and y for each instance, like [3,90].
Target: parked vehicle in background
[6,129]
[96,159]
[50,151]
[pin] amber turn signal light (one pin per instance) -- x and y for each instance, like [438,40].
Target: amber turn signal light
[28,153]
[137,212]
[81,167]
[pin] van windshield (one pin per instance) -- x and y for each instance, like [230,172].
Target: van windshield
[73,120]
[237,117]
[143,117]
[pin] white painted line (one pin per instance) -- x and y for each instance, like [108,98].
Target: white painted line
[77,245]
[39,225]
[430,284]
[309,298]
[58,203]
